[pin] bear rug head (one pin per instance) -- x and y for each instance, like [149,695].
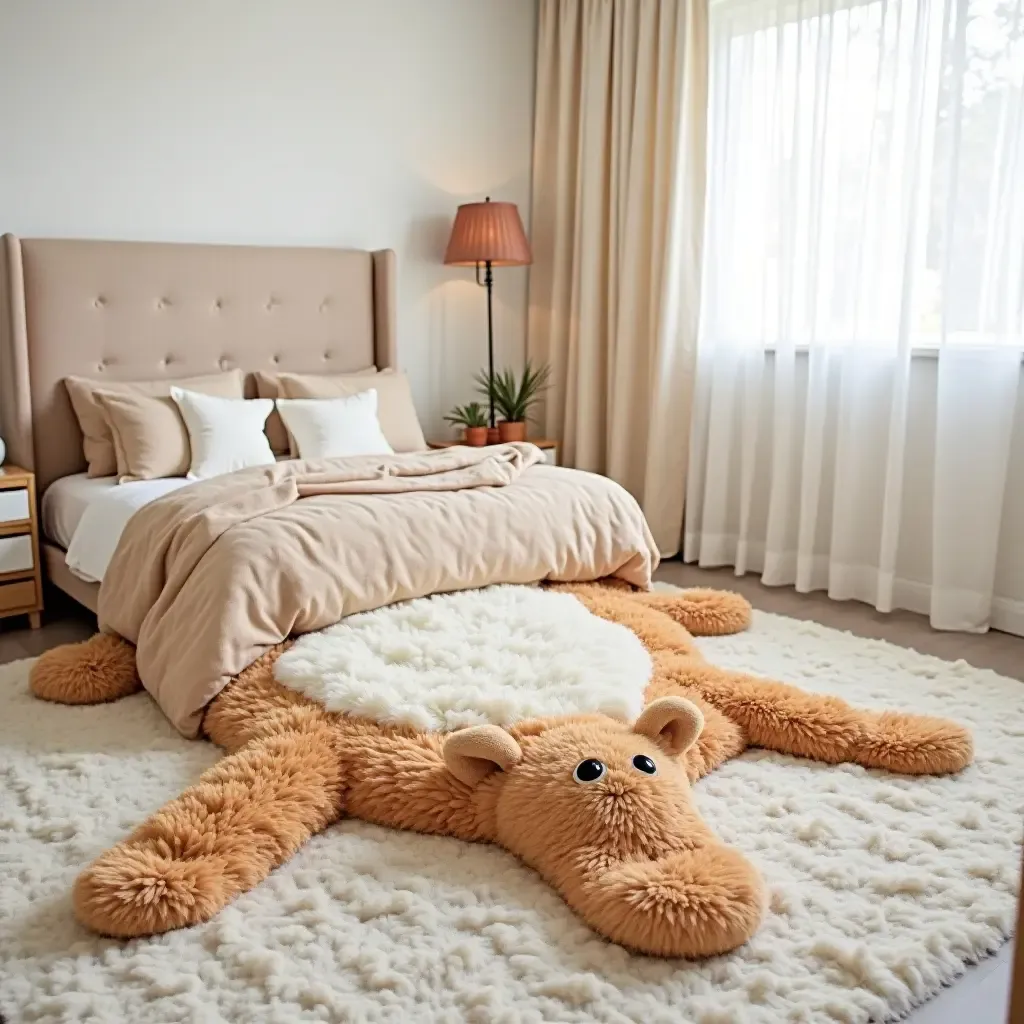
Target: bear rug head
[600,808]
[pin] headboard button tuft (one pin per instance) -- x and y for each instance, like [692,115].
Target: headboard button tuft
[275,359]
[218,304]
[224,363]
[99,302]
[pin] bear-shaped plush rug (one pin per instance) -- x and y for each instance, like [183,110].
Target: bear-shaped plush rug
[564,723]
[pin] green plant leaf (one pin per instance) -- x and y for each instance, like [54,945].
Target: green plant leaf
[513,398]
[472,414]
[483,384]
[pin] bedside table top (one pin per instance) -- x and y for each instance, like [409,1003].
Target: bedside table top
[9,473]
[540,442]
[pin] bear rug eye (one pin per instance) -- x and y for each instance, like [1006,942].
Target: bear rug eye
[642,763]
[589,770]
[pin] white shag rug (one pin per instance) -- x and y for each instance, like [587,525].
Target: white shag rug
[881,886]
[500,654]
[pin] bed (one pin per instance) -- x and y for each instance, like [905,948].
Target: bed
[139,310]
[206,579]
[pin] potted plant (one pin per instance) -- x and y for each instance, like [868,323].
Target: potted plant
[472,417]
[514,398]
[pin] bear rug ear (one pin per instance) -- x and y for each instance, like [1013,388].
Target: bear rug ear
[472,754]
[674,723]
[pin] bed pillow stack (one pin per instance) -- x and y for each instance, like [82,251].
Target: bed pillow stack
[268,386]
[203,426]
[161,447]
[147,430]
[188,433]
[395,410]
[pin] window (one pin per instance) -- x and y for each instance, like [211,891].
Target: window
[866,174]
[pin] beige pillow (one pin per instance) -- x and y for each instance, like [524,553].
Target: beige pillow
[395,410]
[97,441]
[149,435]
[267,387]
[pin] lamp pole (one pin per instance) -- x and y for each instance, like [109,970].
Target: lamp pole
[489,283]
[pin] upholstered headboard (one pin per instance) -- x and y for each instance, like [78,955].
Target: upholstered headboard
[142,310]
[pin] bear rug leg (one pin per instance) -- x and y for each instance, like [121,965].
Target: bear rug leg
[246,815]
[601,809]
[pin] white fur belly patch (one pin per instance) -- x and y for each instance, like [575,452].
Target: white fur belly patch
[501,655]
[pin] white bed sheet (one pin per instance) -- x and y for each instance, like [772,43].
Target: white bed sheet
[88,515]
[66,499]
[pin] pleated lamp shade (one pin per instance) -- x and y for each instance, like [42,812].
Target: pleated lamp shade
[488,231]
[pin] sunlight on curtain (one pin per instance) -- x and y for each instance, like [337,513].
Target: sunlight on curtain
[865,211]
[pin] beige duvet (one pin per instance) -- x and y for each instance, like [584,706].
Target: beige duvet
[205,579]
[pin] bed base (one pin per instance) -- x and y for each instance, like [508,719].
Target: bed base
[56,571]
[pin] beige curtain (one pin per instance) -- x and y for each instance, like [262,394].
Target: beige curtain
[618,210]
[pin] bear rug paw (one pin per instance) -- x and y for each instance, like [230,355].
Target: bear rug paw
[703,612]
[133,891]
[94,671]
[915,744]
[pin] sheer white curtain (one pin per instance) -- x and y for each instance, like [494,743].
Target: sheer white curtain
[859,419]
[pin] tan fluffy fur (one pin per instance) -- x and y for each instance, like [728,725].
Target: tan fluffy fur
[99,669]
[629,853]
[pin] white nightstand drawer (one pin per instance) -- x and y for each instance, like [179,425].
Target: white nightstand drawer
[13,506]
[15,553]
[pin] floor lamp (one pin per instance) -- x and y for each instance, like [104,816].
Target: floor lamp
[490,234]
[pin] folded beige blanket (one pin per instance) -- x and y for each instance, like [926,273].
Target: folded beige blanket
[205,579]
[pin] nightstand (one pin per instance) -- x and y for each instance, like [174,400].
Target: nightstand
[21,582]
[547,446]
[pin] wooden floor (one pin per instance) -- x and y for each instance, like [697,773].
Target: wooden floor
[981,996]
[1001,652]
[64,622]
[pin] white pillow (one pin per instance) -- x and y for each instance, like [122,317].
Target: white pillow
[225,434]
[325,428]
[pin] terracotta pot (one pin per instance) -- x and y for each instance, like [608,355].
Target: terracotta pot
[476,437]
[512,430]
[492,435]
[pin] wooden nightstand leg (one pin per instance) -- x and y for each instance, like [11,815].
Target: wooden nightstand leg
[35,619]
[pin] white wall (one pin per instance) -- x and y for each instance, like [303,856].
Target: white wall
[340,122]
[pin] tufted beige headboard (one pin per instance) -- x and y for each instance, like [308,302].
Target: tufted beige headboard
[144,310]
